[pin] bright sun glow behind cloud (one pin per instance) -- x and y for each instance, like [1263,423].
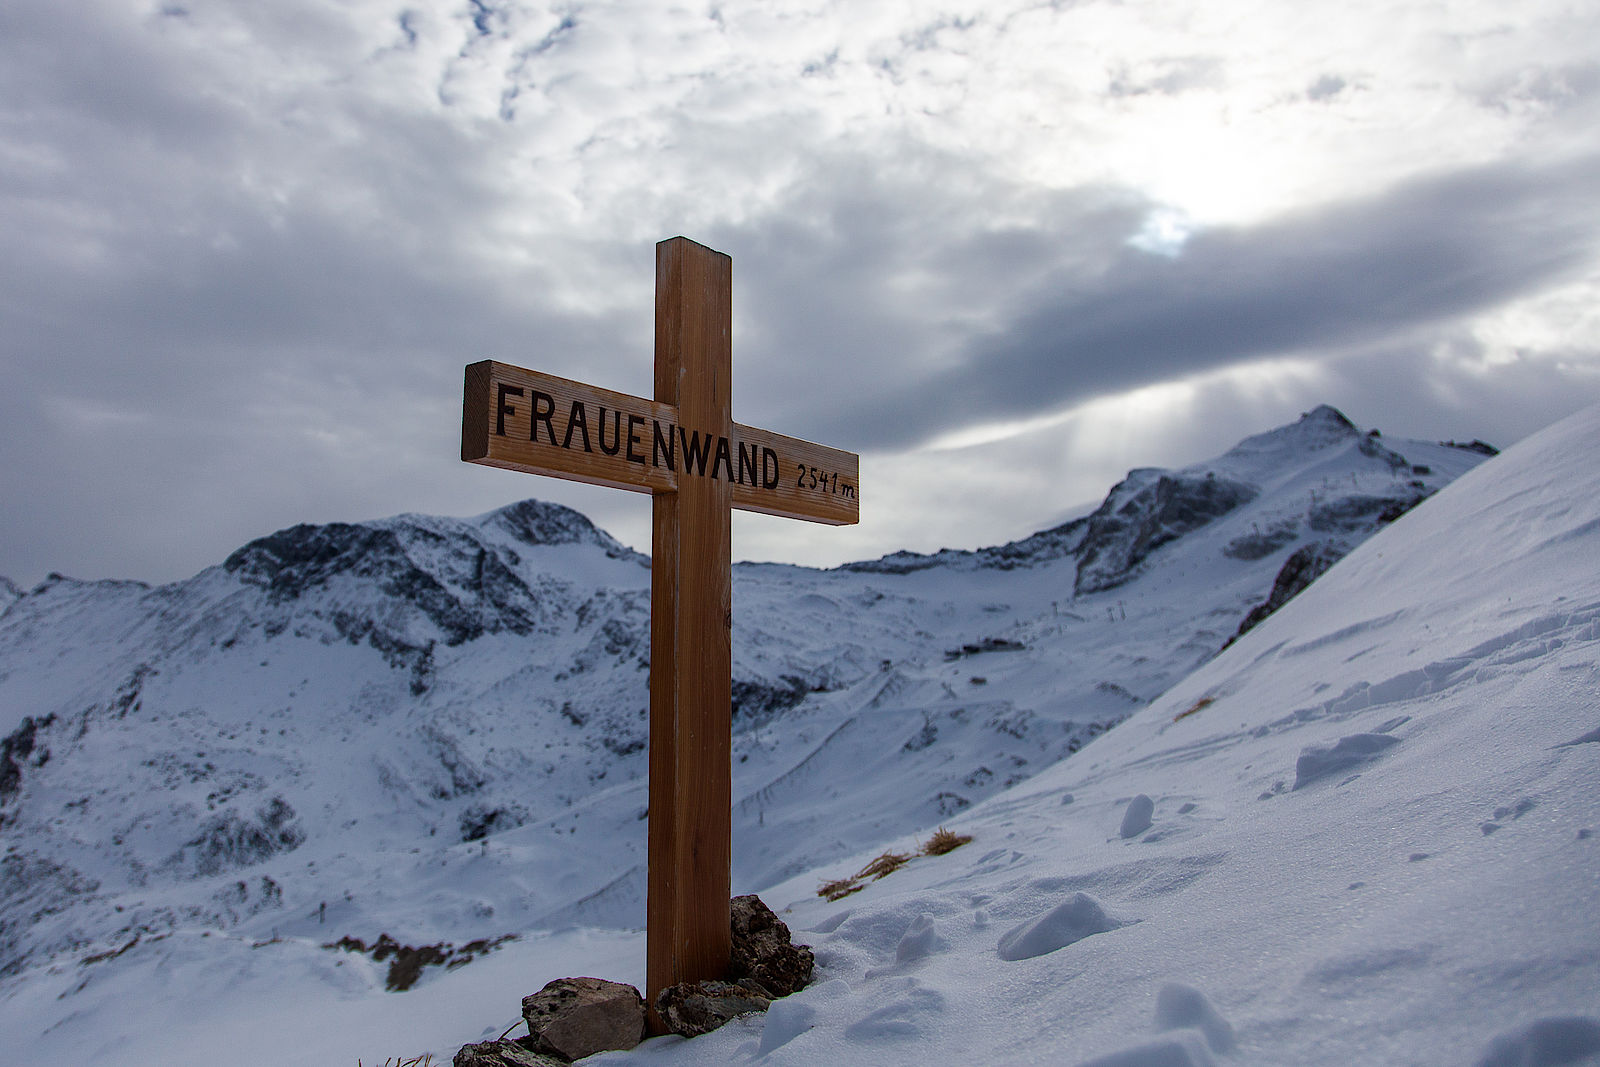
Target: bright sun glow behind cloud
[1006,250]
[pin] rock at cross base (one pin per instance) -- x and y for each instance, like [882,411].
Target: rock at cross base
[695,1008]
[577,1017]
[762,949]
[502,1053]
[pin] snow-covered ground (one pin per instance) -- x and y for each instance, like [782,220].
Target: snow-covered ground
[1368,840]
[1374,837]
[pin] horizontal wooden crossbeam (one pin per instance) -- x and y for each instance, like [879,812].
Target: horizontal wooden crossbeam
[537,423]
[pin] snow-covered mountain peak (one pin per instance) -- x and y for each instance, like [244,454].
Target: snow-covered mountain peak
[1321,427]
[1319,474]
[537,522]
[1321,436]
[8,592]
[292,560]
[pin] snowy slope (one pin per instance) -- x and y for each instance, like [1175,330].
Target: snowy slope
[1373,838]
[432,728]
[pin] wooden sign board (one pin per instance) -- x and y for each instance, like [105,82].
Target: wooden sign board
[684,449]
[536,423]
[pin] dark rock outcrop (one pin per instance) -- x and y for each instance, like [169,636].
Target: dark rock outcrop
[577,1017]
[537,522]
[1057,542]
[229,841]
[503,1053]
[1360,511]
[763,950]
[21,748]
[755,701]
[1144,512]
[1304,566]
[1480,447]
[463,585]
[695,1008]
[1259,544]
[407,961]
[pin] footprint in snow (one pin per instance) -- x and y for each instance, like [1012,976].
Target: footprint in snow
[1511,812]
[1080,916]
[911,1015]
[1191,1028]
[1317,762]
[791,1016]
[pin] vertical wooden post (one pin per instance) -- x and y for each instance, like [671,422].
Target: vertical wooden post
[691,617]
[509,419]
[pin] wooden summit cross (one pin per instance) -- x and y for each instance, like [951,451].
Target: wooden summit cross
[686,451]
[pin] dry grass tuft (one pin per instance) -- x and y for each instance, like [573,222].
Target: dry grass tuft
[839,888]
[1203,702]
[944,841]
[424,1060]
[885,865]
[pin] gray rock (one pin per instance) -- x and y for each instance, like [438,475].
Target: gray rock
[762,949]
[695,1008]
[503,1053]
[577,1017]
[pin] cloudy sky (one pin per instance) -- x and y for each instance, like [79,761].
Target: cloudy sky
[1004,250]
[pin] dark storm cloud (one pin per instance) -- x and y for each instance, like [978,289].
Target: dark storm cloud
[1324,282]
[247,249]
[219,318]
[881,267]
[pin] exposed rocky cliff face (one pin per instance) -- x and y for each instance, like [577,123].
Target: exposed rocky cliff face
[1304,566]
[1148,510]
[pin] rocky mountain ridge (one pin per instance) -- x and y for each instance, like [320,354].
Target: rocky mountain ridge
[1153,506]
[365,728]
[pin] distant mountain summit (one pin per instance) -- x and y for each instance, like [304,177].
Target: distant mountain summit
[324,735]
[1153,507]
[461,575]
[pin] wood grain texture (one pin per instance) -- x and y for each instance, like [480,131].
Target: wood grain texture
[647,446]
[691,593]
[684,448]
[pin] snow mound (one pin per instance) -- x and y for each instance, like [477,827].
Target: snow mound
[1179,1006]
[1136,817]
[1067,923]
[1317,762]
